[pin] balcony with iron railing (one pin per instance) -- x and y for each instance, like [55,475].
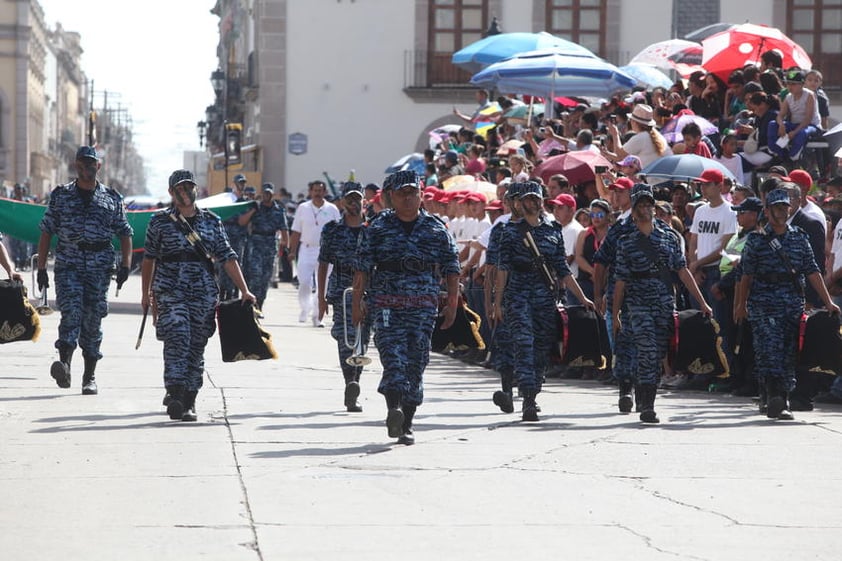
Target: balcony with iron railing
[431,77]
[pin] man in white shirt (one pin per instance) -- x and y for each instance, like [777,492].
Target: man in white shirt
[713,225]
[310,217]
[564,208]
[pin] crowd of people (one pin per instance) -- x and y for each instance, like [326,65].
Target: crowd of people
[752,249]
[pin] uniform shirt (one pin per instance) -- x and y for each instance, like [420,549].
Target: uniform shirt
[515,256]
[268,219]
[427,245]
[632,261]
[338,247]
[485,237]
[74,217]
[309,221]
[163,238]
[760,260]
[232,225]
[712,225]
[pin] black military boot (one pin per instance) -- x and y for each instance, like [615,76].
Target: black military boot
[530,408]
[60,369]
[394,415]
[175,408]
[626,402]
[647,404]
[407,438]
[778,403]
[503,398]
[88,377]
[189,402]
[352,392]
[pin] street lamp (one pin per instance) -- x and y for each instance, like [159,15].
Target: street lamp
[218,81]
[201,126]
[494,28]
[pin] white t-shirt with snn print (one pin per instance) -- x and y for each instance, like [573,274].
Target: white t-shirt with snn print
[712,225]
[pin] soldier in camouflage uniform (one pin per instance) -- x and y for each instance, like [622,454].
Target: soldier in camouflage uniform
[404,253]
[526,296]
[644,293]
[236,228]
[266,221]
[338,246]
[178,282]
[774,264]
[502,344]
[84,215]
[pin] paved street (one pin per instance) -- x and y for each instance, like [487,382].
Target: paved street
[275,469]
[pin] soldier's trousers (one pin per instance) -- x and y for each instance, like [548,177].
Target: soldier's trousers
[184,324]
[81,299]
[622,346]
[502,349]
[340,319]
[775,333]
[403,336]
[258,268]
[649,329]
[529,313]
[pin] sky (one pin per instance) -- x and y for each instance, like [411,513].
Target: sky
[155,58]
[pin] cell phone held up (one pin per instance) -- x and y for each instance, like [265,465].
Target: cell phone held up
[600,169]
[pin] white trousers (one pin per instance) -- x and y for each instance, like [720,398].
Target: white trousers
[308,262]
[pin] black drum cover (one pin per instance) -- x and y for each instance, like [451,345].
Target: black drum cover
[240,333]
[464,333]
[699,349]
[583,339]
[821,343]
[18,319]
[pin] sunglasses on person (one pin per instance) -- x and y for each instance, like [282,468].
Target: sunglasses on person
[597,214]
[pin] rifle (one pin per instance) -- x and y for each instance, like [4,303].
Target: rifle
[547,274]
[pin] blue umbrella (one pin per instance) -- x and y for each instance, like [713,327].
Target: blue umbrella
[551,72]
[647,75]
[494,48]
[414,162]
[682,167]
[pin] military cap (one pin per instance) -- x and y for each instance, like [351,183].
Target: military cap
[239,178]
[399,179]
[642,191]
[180,176]
[777,197]
[530,188]
[351,187]
[750,203]
[86,152]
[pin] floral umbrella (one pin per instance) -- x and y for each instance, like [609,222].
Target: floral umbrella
[672,128]
[743,44]
[672,54]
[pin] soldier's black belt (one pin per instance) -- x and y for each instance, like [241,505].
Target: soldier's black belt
[181,257]
[524,267]
[93,246]
[267,233]
[645,275]
[406,266]
[776,278]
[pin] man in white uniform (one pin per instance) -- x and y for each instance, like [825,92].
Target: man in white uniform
[310,217]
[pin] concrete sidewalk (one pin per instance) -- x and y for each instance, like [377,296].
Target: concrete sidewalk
[275,469]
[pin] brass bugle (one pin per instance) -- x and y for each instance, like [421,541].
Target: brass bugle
[43,308]
[357,357]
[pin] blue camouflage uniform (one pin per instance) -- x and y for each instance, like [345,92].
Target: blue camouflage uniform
[622,346]
[262,248]
[237,237]
[338,246]
[649,302]
[776,301]
[502,345]
[84,223]
[185,292]
[529,305]
[405,269]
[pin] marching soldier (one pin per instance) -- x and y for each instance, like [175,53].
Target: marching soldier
[338,245]
[774,264]
[267,219]
[402,257]
[236,228]
[84,215]
[527,290]
[646,257]
[177,277]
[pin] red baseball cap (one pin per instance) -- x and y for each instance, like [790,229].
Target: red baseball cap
[622,184]
[564,199]
[710,176]
[801,178]
[494,205]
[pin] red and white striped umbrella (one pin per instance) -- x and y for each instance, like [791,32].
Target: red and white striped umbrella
[729,50]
